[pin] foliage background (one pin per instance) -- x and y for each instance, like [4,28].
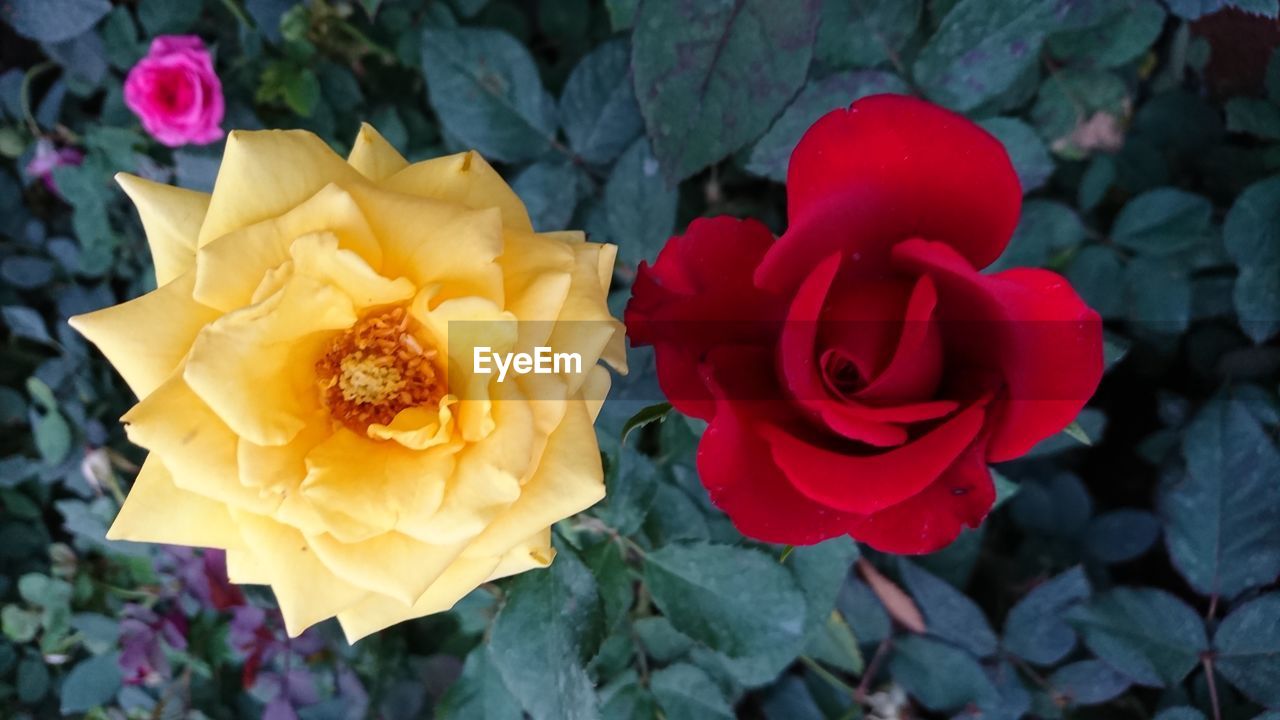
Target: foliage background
[1134,577]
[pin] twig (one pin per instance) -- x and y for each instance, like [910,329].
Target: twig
[873,667]
[829,676]
[1207,661]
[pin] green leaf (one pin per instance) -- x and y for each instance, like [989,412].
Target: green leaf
[485,88]
[1069,98]
[1026,151]
[772,153]
[32,679]
[91,683]
[1121,535]
[686,692]
[165,17]
[1247,644]
[26,323]
[865,33]
[949,615]
[1252,238]
[820,571]
[479,693]
[52,436]
[940,676]
[1254,116]
[1097,273]
[1183,712]
[550,623]
[711,76]
[550,190]
[598,109]
[738,601]
[1045,228]
[1220,516]
[1077,433]
[1158,294]
[646,416]
[1035,629]
[1163,221]
[52,20]
[1121,38]
[1088,682]
[661,641]
[639,205]
[983,46]
[631,484]
[20,625]
[1147,634]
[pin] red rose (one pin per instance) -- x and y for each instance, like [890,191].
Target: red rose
[858,372]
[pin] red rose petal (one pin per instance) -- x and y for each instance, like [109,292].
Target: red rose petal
[866,484]
[915,370]
[1027,324]
[890,168]
[931,519]
[699,295]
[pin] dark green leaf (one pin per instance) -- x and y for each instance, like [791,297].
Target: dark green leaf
[736,600]
[485,87]
[1045,228]
[1122,535]
[686,692]
[1026,151]
[1162,222]
[32,679]
[948,613]
[1182,712]
[1248,649]
[711,76]
[772,153]
[53,20]
[983,46]
[1222,517]
[598,107]
[1147,634]
[1254,116]
[479,693]
[654,413]
[1252,238]
[1122,37]
[865,33]
[91,683]
[550,191]
[639,204]
[1158,294]
[1071,97]
[1097,273]
[23,322]
[631,484]
[820,571]
[165,17]
[1088,682]
[942,677]
[539,639]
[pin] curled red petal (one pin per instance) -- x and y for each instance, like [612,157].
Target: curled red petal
[697,296]
[888,168]
[1027,325]
[931,519]
[865,484]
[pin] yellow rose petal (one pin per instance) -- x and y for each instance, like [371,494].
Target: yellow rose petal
[434,243]
[306,590]
[376,612]
[392,564]
[569,480]
[530,554]
[255,366]
[160,512]
[171,217]
[244,569]
[147,337]
[464,179]
[266,173]
[373,156]
[379,485]
[232,266]
[197,448]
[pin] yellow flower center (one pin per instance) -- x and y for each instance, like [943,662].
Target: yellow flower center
[375,369]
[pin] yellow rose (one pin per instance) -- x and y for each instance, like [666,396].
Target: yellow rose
[304,404]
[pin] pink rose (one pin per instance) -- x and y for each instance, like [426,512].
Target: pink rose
[175,92]
[49,157]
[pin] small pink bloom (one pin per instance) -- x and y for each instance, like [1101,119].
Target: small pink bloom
[48,157]
[176,93]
